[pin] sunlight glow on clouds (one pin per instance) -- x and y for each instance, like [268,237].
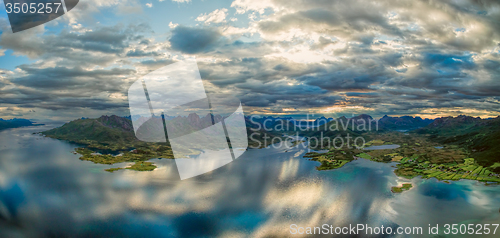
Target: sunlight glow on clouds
[377,57]
[243,6]
[216,16]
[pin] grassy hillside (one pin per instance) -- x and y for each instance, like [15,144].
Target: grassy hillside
[106,132]
[117,133]
[341,127]
[258,137]
[481,137]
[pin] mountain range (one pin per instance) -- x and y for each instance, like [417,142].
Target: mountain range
[385,123]
[403,123]
[480,137]
[117,133]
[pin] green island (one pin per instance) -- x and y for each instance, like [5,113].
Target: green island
[446,148]
[138,166]
[139,156]
[334,158]
[16,123]
[404,187]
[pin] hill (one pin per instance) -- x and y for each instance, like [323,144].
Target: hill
[481,137]
[117,133]
[106,132]
[14,123]
[363,125]
[111,139]
[402,123]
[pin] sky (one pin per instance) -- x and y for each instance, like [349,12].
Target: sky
[280,57]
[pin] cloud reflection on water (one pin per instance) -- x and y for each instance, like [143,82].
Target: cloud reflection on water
[261,194]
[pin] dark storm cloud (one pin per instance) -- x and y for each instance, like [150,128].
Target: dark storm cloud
[288,100]
[351,74]
[239,70]
[438,80]
[58,100]
[314,16]
[344,17]
[392,59]
[399,57]
[156,63]
[343,80]
[62,77]
[61,88]
[141,53]
[493,65]
[193,40]
[102,44]
[430,56]
[106,40]
[265,83]
[323,42]
[277,88]
[91,71]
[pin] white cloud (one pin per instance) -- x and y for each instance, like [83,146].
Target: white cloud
[217,16]
[260,6]
[172,25]
[371,54]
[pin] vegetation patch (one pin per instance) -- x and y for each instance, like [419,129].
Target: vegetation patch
[333,159]
[142,166]
[404,187]
[111,170]
[364,156]
[448,163]
[138,166]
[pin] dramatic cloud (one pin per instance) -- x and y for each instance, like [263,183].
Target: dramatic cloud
[193,40]
[216,16]
[426,58]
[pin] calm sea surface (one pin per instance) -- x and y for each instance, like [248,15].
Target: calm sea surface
[46,191]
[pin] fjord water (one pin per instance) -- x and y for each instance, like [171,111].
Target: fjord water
[382,147]
[46,191]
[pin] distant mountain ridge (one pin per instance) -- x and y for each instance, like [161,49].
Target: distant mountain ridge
[384,123]
[480,136]
[15,123]
[403,123]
